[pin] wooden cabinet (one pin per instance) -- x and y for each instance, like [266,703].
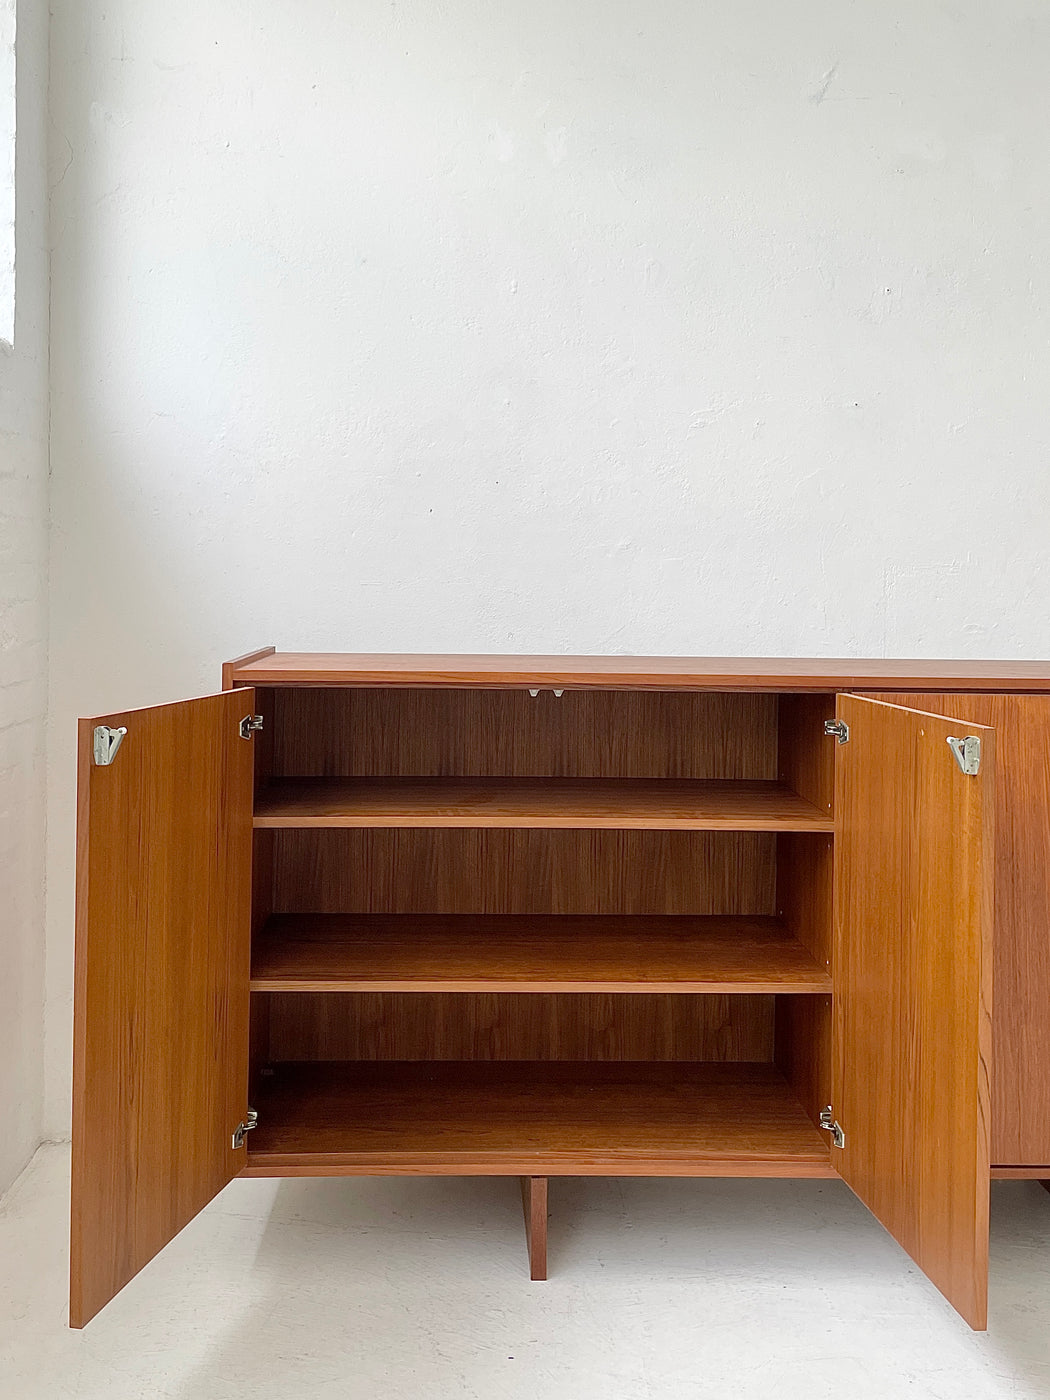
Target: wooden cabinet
[541,916]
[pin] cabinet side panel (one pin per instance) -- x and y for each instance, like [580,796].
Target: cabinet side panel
[806,755]
[805,890]
[264,740]
[1021,944]
[262,879]
[259,1056]
[802,1049]
[805,893]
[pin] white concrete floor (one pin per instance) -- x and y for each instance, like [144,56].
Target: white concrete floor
[411,1288]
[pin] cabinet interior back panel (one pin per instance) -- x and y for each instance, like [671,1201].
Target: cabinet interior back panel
[510,733]
[518,1026]
[442,871]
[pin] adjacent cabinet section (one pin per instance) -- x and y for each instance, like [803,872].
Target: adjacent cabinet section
[538,917]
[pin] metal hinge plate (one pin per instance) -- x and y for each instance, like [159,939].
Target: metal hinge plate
[827,1122]
[250,725]
[243,1129]
[967,754]
[838,728]
[105,743]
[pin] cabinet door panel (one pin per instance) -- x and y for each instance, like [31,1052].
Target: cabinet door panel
[914,888]
[160,1078]
[1021,947]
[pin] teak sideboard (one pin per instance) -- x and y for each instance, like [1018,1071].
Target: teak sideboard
[559,916]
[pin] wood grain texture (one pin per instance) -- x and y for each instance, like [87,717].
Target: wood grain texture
[639,672]
[379,733]
[528,1119]
[162,961]
[449,871]
[610,803]
[1021,978]
[535,1026]
[532,953]
[534,1204]
[1026,1173]
[912,971]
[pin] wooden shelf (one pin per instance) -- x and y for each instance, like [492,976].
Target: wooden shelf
[531,953]
[606,803]
[327,1119]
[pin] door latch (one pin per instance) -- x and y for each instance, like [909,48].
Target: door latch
[827,1122]
[105,744]
[967,754]
[242,1130]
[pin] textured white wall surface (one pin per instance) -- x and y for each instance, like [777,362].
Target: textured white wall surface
[23,624]
[601,326]
[7,170]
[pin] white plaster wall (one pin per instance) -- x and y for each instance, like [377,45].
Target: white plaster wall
[7,170]
[590,325]
[23,621]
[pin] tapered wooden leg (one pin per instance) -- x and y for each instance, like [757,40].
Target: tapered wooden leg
[534,1199]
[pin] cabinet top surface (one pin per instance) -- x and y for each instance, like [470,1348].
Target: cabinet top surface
[633,672]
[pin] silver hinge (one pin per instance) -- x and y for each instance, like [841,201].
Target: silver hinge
[827,1122]
[838,728]
[106,743]
[243,1129]
[250,724]
[967,754]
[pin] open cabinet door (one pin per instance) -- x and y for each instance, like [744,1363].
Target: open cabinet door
[914,852]
[160,1074]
